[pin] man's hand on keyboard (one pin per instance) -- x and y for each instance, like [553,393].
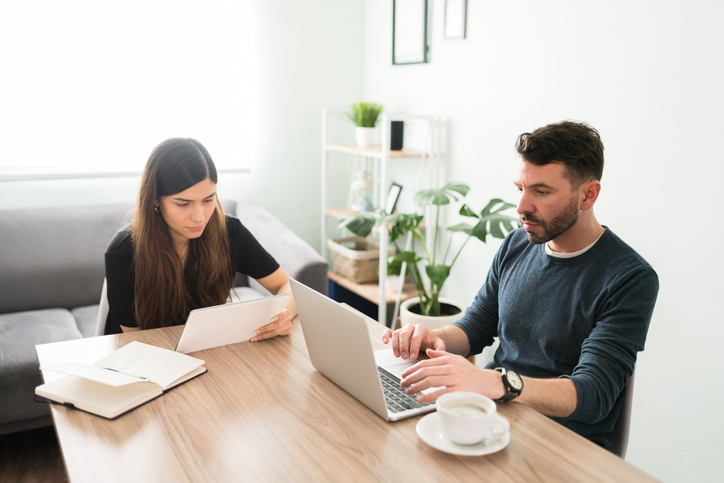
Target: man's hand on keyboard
[450,373]
[411,340]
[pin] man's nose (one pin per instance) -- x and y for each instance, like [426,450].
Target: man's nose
[524,204]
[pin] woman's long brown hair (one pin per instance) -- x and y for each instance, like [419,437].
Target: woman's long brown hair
[165,292]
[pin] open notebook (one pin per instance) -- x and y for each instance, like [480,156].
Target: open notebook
[132,375]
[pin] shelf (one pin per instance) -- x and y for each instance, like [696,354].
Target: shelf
[372,151]
[371,291]
[339,213]
[427,153]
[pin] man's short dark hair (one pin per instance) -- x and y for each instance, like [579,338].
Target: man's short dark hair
[575,144]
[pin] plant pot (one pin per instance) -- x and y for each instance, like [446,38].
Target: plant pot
[365,136]
[408,315]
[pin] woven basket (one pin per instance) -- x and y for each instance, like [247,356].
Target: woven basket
[356,258]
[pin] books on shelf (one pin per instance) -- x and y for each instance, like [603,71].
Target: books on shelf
[125,379]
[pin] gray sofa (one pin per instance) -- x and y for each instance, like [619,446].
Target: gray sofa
[51,276]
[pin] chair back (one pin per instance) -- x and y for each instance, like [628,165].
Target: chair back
[102,311]
[620,441]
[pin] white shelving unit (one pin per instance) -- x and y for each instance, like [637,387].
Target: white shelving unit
[430,153]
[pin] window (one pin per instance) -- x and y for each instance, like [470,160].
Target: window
[94,86]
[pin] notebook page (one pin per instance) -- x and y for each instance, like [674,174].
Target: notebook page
[161,366]
[94,373]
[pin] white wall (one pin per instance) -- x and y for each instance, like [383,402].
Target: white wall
[648,75]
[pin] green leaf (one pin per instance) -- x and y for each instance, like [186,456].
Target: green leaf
[496,225]
[360,225]
[437,274]
[480,231]
[401,223]
[394,266]
[463,227]
[408,257]
[461,188]
[364,114]
[466,211]
[442,196]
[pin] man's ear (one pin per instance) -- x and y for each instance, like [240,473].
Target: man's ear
[589,194]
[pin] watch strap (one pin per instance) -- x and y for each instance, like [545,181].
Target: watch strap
[510,391]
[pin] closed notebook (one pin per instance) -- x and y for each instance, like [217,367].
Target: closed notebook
[132,375]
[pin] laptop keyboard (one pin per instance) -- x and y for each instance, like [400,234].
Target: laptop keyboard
[395,396]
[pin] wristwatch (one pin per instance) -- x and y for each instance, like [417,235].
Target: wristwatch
[512,382]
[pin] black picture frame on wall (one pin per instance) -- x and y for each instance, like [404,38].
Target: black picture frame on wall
[410,23]
[393,194]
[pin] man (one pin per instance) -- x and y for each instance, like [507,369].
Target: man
[569,300]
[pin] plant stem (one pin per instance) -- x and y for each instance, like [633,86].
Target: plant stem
[435,304]
[449,244]
[419,236]
[461,249]
[418,282]
[437,232]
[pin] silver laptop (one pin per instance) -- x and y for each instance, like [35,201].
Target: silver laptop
[339,347]
[228,323]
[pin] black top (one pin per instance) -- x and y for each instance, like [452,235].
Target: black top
[247,257]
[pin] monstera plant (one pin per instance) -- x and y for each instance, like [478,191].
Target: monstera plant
[489,221]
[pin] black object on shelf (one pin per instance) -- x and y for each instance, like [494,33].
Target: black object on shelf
[396,130]
[342,295]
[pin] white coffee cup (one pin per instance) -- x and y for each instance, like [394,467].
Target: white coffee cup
[468,418]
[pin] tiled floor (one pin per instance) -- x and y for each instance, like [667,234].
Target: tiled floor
[31,456]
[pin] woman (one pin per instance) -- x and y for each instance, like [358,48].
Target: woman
[181,252]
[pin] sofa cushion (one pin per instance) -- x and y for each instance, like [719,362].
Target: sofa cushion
[19,374]
[86,318]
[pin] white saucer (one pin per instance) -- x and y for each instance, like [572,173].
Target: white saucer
[429,430]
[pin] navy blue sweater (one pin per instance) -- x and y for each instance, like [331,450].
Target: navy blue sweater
[584,318]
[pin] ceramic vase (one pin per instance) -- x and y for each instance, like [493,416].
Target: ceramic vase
[365,136]
[408,317]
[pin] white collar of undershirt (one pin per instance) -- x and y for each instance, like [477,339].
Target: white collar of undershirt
[571,254]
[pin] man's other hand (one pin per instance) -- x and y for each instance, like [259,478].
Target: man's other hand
[410,340]
[451,373]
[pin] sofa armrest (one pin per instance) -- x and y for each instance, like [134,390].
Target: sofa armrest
[297,257]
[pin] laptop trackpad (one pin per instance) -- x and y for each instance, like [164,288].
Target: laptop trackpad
[386,359]
[395,365]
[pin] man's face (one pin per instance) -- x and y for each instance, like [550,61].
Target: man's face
[547,207]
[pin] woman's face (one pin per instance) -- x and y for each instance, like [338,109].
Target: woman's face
[188,212]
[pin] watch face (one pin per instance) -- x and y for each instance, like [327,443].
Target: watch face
[514,380]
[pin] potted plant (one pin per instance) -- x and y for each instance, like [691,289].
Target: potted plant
[364,115]
[431,309]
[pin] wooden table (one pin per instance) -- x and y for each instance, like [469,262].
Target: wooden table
[263,413]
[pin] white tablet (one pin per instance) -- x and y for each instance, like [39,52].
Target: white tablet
[229,323]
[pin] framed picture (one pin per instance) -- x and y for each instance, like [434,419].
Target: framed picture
[409,32]
[393,194]
[455,18]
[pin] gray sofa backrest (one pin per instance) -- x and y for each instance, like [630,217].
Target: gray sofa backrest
[54,257]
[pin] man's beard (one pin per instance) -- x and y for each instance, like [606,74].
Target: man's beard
[557,226]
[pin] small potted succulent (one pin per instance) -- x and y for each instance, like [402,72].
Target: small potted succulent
[428,307]
[364,115]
